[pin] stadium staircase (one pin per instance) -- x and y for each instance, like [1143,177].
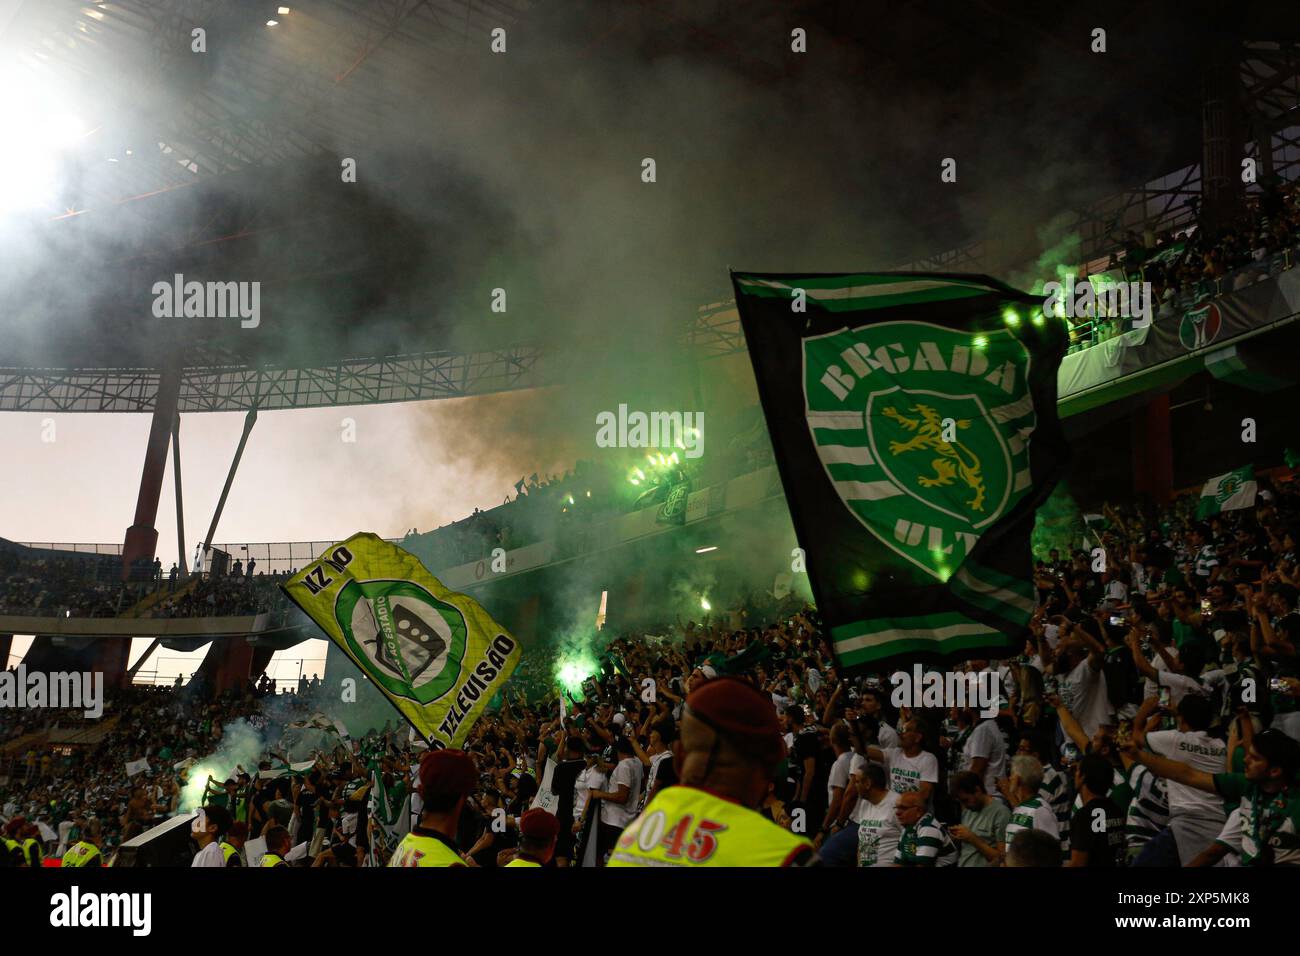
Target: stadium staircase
[20,745]
[84,735]
[155,598]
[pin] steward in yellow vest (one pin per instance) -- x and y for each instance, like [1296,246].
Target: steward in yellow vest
[538,830]
[278,844]
[31,846]
[13,852]
[85,852]
[446,778]
[730,746]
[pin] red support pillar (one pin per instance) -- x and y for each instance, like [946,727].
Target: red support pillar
[1153,451]
[111,657]
[233,663]
[142,538]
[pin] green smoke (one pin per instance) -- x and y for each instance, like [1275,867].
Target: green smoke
[1058,524]
[573,667]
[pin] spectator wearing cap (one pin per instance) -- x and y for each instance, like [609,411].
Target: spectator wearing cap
[538,830]
[727,753]
[446,778]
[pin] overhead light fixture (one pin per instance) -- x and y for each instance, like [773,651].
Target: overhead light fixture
[282,10]
[712,547]
[272,23]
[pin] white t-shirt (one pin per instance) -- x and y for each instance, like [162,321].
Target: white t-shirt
[986,741]
[1052,634]
[1195,816]
[210,855]
[1204,753]
[878,831]
[839,774]
[629,771]
[1149,687]
[651,773]
[1085,695]
[905,773]
[887,737]
[1230,836]
[814,679]
[1116,593]
[591,778]
[1180,685]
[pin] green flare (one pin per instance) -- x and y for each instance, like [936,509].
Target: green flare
[572,669]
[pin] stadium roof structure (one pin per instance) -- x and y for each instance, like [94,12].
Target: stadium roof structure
[195,165]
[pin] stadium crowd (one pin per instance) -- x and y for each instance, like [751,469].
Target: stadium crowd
[1188,267]
[1158,690]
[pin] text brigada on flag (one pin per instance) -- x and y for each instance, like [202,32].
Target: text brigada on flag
[435,654]
[914,422]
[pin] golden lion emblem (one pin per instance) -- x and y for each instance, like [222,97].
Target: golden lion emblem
[955,459]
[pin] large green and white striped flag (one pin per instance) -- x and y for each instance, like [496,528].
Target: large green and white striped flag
[1228,492]
[914,422]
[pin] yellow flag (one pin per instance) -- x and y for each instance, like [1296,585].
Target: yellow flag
[437,655]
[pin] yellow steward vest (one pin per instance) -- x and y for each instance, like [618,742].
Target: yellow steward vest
[15,850]
[520,861]
[271,859]
[683,826]
[82,854]
[418,849]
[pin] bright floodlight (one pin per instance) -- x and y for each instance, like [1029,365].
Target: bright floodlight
[35,129]
[272,23]
[282,10]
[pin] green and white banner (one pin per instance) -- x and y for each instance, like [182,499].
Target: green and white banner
[1230,492]
[914,421]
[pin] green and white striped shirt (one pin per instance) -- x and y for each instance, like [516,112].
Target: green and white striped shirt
[926,844]
[1033,814]
[1148,812]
